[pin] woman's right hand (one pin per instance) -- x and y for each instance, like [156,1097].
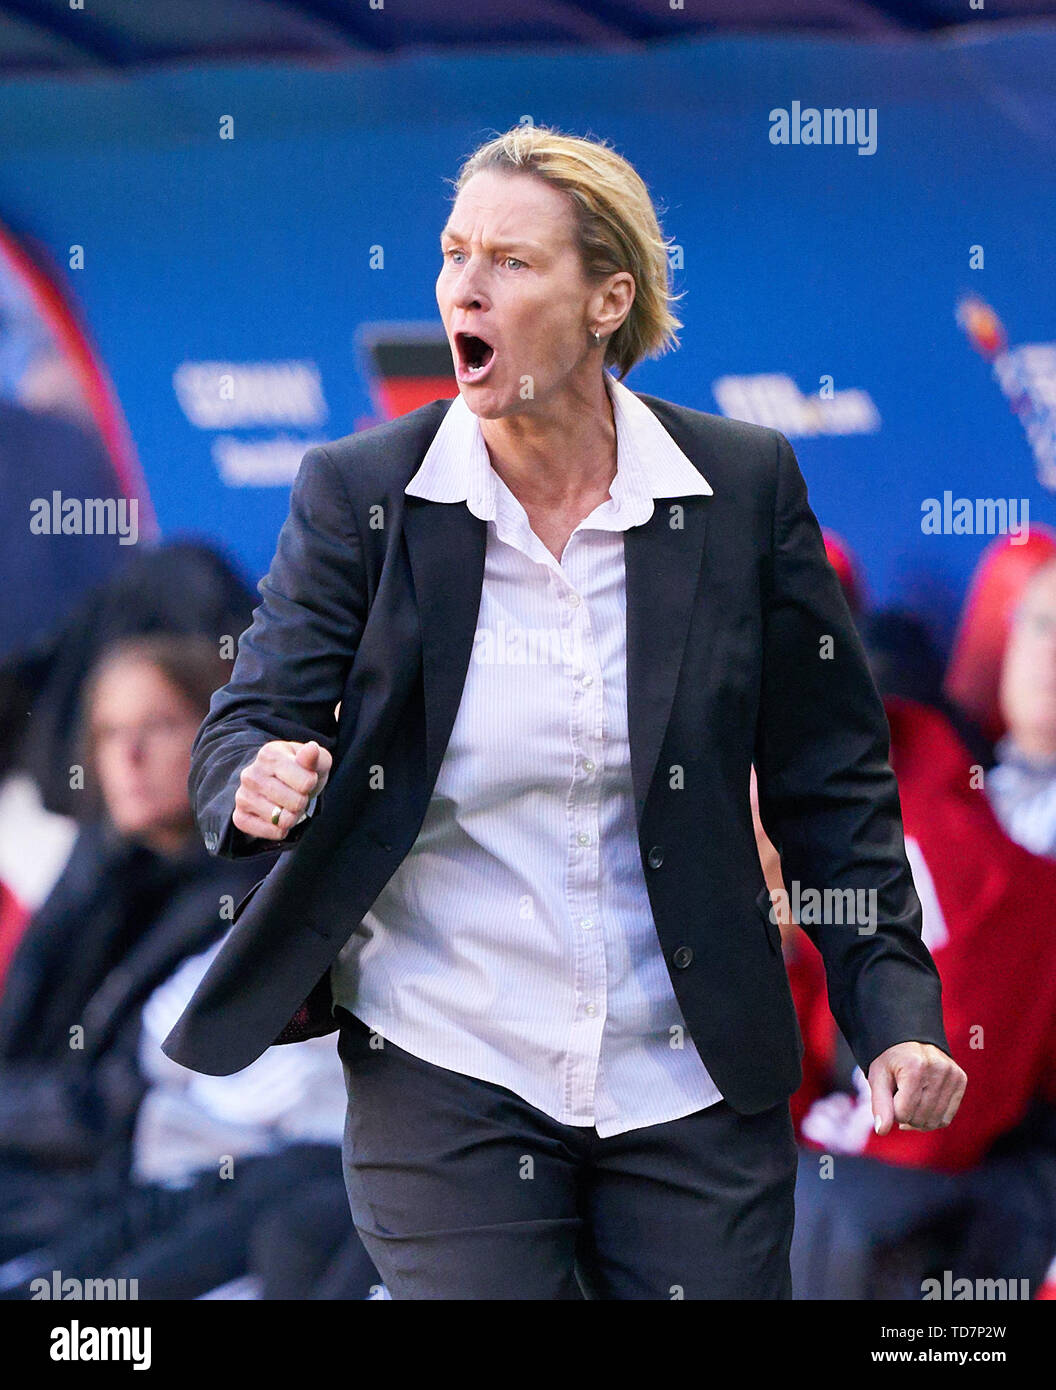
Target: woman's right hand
[285,776]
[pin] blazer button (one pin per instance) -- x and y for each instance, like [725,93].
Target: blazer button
[656,857]
[682,957]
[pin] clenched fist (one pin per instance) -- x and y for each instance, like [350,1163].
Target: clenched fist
[915,1085]
[282,778]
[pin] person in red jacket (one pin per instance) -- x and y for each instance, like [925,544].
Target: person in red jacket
[987,1184]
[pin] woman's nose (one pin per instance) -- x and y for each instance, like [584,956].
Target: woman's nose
[469,284]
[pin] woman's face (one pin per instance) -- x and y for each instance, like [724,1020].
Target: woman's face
[1028,673]
[512,276]
[142,729]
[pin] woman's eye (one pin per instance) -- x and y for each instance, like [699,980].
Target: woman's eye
[506,260]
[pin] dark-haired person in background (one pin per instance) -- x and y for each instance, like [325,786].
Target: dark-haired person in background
[179,586]
[138,895]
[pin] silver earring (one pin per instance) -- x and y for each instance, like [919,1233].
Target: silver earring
[597,336]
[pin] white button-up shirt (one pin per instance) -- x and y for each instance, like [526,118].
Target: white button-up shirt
[515,942]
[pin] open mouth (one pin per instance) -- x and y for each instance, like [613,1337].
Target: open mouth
[475,355]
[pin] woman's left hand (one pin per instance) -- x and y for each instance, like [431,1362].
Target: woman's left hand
[917,1085]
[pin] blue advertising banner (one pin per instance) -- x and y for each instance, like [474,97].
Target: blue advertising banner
[863,233]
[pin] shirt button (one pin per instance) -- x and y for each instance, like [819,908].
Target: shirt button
[591,1010]
[588,680]
[586,923]
[588,765]
[682,957]
[582,838]
[656,857]
[573,600]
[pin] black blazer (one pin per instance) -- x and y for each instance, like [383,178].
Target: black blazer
[740,648]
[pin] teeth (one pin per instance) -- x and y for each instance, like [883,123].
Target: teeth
[473,367]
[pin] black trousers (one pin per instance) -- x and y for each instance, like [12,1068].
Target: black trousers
[460,1189]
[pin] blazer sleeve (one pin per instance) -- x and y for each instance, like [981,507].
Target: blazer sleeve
[828,798]
[292,661]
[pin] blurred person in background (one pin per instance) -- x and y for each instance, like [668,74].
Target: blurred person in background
[1012,1214]
[174,1203]
[216,1163]
[1022,783]
[182,586]
[137,895]
[41,452]
[972,680]
[979,1199]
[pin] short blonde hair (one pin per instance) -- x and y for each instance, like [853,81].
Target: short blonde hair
[616,226]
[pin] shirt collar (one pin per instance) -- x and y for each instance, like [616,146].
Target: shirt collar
[649,464]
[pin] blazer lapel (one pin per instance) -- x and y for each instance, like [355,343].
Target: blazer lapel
[446,544]
[663,564]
